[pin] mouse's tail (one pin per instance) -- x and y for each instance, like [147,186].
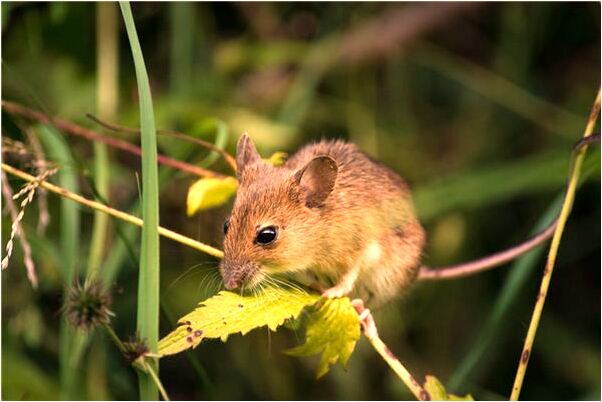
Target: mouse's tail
[501,257]
[491,261]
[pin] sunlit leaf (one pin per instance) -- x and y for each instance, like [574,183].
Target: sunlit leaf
[230,313]
[437,391]
[332,330]
[209,192]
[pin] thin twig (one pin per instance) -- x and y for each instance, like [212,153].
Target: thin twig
[114,212]
[18,229]
[114,338]
[171,133]
[371,333]
[155,378]
[72,128]
[547,274]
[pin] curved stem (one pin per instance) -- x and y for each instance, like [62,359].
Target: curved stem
[547,274]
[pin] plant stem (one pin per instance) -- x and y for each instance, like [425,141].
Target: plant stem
[114,338]
[170,133]
[72,128]
[156,379]
[170,234]
[371,333]
[107,66]
[547,275]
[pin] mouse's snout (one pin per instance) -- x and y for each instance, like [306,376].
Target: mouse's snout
[235,274]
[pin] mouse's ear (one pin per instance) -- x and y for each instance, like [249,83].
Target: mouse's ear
[316,180]
[246,154]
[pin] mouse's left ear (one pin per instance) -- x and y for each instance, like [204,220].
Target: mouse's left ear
[246,154]
[316,180]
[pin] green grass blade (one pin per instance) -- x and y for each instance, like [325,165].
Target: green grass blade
[221,140]
[107,83]
[148,281]
[107,66]
[58,151]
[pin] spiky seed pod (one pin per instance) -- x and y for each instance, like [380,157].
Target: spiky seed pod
[135,348]
[87,306]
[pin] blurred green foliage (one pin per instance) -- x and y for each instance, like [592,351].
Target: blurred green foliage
[477,106]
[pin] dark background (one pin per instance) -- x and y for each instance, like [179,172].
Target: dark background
[476,105]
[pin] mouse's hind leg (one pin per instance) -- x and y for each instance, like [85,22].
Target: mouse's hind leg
[396,268]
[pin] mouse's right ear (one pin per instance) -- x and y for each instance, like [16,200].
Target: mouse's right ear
[315,181]
[246,154]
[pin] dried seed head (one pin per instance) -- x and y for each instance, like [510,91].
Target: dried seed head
[135,348]
[87,306]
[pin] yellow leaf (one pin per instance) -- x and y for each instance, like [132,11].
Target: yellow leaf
[437,391]
[229,313]
[332,330]
[209,192]
[277,158]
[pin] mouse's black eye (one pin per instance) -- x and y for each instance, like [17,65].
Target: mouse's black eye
[226,226]
[266,235]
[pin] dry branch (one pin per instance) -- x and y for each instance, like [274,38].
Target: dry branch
[74,129]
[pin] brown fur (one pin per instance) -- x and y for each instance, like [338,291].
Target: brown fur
[341,217]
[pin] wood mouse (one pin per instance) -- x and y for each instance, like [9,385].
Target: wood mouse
[331,217]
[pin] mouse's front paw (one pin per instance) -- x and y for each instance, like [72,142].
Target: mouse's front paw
[336,291]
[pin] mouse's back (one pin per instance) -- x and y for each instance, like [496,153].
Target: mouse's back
[360,179]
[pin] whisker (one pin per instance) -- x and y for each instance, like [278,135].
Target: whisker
[197,268]
[208,283]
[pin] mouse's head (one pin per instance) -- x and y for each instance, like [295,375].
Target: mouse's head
[275,222]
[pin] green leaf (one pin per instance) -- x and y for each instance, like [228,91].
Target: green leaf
[148,280]
[221,138]
[209,192]
[333,329]
[57,148]
[437,391]
[230,313]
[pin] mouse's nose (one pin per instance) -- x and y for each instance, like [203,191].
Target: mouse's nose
[231,283]
[234,274]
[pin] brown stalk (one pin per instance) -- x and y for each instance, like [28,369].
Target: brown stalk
[72,128]
[171,133]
